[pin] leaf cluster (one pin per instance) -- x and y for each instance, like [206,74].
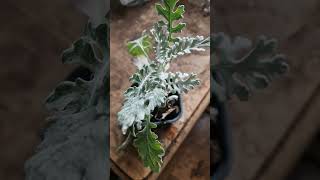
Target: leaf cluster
[152,86]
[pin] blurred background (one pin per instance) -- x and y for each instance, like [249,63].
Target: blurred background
[32,37]
[274,134]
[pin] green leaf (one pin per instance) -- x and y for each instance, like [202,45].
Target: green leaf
[171,14]
[140,46]
[149,148]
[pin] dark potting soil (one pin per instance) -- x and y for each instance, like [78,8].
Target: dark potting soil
[172,116]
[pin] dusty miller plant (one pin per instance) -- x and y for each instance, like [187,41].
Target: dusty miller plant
[152,85]
[75,142]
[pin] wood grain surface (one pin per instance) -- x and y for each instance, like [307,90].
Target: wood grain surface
[192,159]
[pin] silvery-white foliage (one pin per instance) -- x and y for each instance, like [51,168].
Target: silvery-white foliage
[181,46]
[153,88]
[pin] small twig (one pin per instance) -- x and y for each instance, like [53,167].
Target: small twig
[125,143]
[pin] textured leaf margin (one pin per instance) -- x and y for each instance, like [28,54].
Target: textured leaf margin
[149,148]
[181,82]
[182,45]
[185,45]
[136,107]
[240,75]
[171,13]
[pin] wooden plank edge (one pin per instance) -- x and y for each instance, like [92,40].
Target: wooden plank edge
[293,143]
[183,133]
[119,171]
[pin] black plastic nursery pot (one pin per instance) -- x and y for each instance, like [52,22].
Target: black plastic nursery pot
[220,131]
[171,117]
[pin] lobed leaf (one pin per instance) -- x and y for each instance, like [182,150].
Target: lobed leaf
[181,82]
[140,46]
[146,78]
[184,45]
[161,38]
[149,148]
[89,49]
[136,107]
[169,11]
[241,75]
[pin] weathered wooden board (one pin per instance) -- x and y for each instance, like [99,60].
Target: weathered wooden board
[294,142]
[127,27]
[192,159]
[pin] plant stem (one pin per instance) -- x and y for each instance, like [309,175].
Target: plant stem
[126,142]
